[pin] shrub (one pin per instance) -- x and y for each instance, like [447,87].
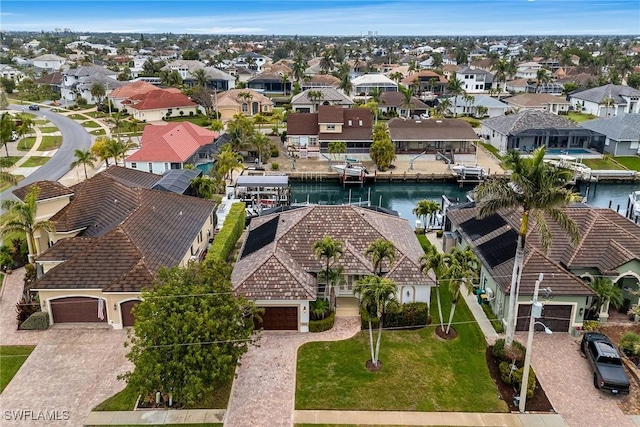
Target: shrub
[274,151]
[439,233]
[415,314]
[319,309]
[514,378]
[275,166]
[228,236]
[630,343]
[499,352]
[26,306]
[590,325]
[38,321]
[323,324]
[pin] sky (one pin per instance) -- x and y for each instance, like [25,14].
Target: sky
[325,17]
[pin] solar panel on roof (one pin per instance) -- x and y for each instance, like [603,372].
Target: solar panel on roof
[500,249]
[260,236]
[477,228]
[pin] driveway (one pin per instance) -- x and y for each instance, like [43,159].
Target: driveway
[568,381]
[70,370]
[263,392]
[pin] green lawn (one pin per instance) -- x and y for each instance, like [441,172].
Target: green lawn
[580,117]
[126,400]
[48,129]
[96,114]
[98,132]
[50,142]
[35,161]
[630,162]
[420,371]
[602,164]
[40,122]
[4,186]
[90,124]
[11,359]
[196,120]
[25,143]
[77,117]
[11,160]
[493,150]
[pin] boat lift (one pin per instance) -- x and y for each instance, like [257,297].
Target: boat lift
[412,160]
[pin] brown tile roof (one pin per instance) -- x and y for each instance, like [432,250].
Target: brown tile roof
[66,249]
[325,79]
[132,177]
[396,99]
[290,256]
[48,190]
[231,98]
[431,130]
[330,114]
[535,100]
[302,124]
[356,131]
[54,78]
[424,75]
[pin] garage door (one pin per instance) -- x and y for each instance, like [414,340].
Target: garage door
[76,309]
[125,309]
[555,317]
[279,319]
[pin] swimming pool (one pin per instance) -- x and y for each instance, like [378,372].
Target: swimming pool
[567,151]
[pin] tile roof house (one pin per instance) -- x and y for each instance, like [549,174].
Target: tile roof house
[232,102]
[393,103]
[277,267]
[270,82]
[172,146]
[530,129]
[122,93]
[155,105]
[609,246]
[432,135]
[319,81]
[302,103]
[49,62]
[77,82]
[429,81]
[364,84]
[110,240]
[620,133]
[538,101]
[462,106]
[607,100]
[302,135]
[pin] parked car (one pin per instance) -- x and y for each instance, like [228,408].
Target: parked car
[608,370]
[14,135]
[34,107]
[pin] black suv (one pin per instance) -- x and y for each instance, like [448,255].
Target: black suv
[34,107]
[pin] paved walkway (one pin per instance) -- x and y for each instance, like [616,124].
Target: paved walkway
[190,416]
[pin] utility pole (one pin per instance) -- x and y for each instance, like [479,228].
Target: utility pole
[536,312]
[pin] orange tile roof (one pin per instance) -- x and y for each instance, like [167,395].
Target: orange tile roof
[133,89]
[157,99]
[175,142]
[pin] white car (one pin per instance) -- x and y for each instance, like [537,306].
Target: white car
[14,135]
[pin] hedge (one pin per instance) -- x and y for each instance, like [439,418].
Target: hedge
[413,314]
[498,349]
[323,324]
[227,237]
[38,321]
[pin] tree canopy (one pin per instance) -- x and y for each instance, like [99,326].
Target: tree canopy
[382,150]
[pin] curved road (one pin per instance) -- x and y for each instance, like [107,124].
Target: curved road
[74,136]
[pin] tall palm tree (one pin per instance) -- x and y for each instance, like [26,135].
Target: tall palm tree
[6,176]
[330,250]
[407,99]
[6,127]
[227,161]
[21,217]
[426,208]
[539,189]
[456,88]
[284,79]
[607,294]
[262,144]
[542,77]
[375,294]
[200,77]
[299,66]
[315,96]
[462,269]
[378,251]
[326,61]
[84,158]
[97,91]
[434,261]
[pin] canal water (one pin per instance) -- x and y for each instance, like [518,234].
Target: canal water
[403,197]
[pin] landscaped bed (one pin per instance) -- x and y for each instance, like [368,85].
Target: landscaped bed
[421,372]
[50,142]
[35,161]
[12,358]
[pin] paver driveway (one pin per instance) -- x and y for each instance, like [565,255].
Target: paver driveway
[568,381]
[70,369]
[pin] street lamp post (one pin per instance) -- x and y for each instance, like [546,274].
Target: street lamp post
[536,312]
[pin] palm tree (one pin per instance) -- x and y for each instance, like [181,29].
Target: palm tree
[330,250]
[6,127]
[262,144]
[26,126]
[462,266]
[21,217]
[434,261]
[97,91]
[5,176]
[378,251]
[607,294]
[375,294]
[426,208]
[84,158]
[396,76]
[407,99]
[455,88]
[315,96]
[336,148]
[227,161]
[539,189]
[541,78]
[284,79]
[118,149]
[204,186]
[326,62]
[299,66]
[200,77]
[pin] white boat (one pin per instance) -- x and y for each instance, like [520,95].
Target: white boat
[351,168]
[469,171]
[633,209]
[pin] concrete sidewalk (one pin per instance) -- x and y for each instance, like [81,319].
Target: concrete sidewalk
[188,416]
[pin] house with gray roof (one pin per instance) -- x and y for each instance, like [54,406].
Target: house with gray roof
[110,239]
[470,107]
[609,246]
[303,103]
[620,134]
[530,129]
[77,82]
[605,101]
[475,80]
[278,269]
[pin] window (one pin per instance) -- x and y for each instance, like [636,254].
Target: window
[313,140]
[245,107]
[295,140]
[331,127]
[166,166]
[150,167]
[134,165]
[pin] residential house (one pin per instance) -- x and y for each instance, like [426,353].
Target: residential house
[156,105]
[241,101]
[216,79]
[303,103]
[302,135]
[110,240]
[607,100]
[10,73]
[432,135]
[270,83]
[49,62]
[620,134]
[172,146]
[277,267]
[241,74]
[53,80]
[517,86]
[77,83]
[567,268]
[476,104]
[121,94]
[320,81]
[364,84]
[252,60]
[538,101]
[531,129]
[393,103]
[426,83]
[475,80]
[528,70]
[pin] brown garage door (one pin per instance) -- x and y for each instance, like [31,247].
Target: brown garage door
[555,317]
[76,309]
[279,319]
[127,315]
